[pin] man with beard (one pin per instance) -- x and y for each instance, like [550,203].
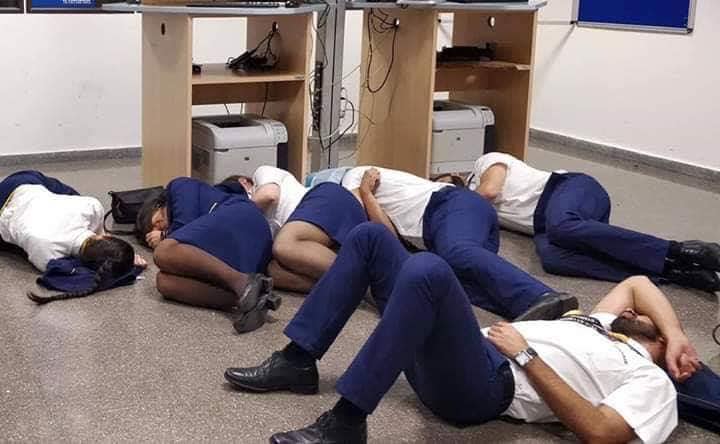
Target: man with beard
[600,375]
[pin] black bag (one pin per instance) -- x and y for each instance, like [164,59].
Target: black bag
[125,206]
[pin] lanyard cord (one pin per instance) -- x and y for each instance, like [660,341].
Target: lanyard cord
[589,321]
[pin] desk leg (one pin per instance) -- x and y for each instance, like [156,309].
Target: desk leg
[396,122]
[166,97]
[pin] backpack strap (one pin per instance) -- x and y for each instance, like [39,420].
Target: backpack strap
[118,232]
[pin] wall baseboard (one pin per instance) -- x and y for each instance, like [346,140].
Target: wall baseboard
[676,171]
[70,155]
[673,170]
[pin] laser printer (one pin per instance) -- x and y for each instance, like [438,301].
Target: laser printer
[224,145]
[460,134]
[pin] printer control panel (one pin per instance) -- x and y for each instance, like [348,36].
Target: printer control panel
[279,131]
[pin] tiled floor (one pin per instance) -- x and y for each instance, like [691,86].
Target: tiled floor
[126,366]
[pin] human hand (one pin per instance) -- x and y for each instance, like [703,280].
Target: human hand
[681,358]
[140,262]
[507,339]
[370,180]
[153,238]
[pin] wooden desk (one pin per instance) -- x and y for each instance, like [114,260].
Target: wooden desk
[396,122]
[169,89]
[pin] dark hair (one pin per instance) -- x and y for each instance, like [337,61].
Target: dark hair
[111,257]
[454,179]
[236,178]
[143,222]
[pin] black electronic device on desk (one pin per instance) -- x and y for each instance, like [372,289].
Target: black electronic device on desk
[260,58]
[450,54]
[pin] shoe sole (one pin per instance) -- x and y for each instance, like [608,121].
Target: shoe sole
[303,389]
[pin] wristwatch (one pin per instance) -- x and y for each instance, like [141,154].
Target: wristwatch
[524,357]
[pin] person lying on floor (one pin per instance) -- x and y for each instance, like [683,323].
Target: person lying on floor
[462,228]
[311,224]
[568,215]
[211,247]
[578,370]
[49,220]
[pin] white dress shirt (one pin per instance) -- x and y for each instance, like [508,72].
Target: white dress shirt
[618,375]
[291,193]
[47,225]
[520,194]
[402,196]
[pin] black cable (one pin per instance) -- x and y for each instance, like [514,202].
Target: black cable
[267,90]
[370,56]
[716,334]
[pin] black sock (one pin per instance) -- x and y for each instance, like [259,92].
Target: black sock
[674,250]
[349,412]
[297,355]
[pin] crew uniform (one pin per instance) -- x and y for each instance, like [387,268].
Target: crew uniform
[429,331]
[45,217]
[328,206]
[568,215]
[291,193]
[459,226]
[225,225]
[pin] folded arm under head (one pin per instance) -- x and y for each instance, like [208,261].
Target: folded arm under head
[368,186]
[645,314]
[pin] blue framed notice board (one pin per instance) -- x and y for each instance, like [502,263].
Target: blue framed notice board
[60,5]
[651,15]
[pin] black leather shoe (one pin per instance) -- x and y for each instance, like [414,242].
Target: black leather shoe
[703,254]
[328,429]
[551,306]
[275,374]
[704,280]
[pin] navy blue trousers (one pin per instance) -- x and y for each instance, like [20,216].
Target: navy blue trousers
[699,399]
[462,228]
[427,330]
[32,177]
[573,236]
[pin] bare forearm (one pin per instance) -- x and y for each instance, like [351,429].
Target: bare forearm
[650,301]
[375,212]
[588,422]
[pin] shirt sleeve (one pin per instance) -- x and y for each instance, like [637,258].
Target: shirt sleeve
[647,401]
[487,160]
[95,217]
[268,174]
[183,202]
[40,252]
[353,178]
[606,319]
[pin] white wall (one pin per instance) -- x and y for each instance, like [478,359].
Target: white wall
[654,93]
[72,82]
[61,89]
[69,82]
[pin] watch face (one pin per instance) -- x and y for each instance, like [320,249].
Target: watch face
[525,356]
[522,358]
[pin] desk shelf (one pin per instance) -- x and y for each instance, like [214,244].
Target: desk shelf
[473,66]
[218,74]
[469,76]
